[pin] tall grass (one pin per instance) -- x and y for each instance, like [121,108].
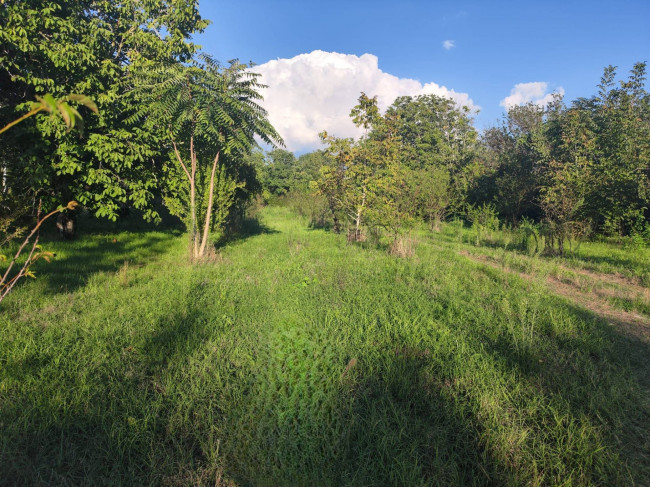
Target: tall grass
[296,359]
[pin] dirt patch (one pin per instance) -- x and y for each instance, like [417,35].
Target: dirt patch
[630,323]
[610,279]
[597,286]
[633,324]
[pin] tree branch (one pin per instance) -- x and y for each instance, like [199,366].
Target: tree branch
[180,161]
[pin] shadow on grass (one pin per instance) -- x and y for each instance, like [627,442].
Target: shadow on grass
[98,246]
[389,424]
[250,228]
[383,419]
[95,251]
[598,376]
[118,429]
[406,428]
[612,260]
[78,260]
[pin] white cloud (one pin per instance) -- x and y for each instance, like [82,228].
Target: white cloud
[313,92]
[448,44]
[535,92]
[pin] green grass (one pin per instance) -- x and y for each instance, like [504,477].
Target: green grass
[598,256]
[621,276]
[296,359]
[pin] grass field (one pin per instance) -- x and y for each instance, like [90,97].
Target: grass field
[295,359]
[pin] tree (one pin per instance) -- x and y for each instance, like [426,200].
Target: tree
[208,113]
[437,133]
[277,170]
[87,47]
[516,145]
[349,186]
[595,159]
[334,182]
[430,191]
[307,169]
[565,174]
[620,202]
[367,184]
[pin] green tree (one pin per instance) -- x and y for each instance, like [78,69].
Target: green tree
[437,133]
[367,184]
[278,170]
[595,159]
[307,169]
[8,229]
[210,116]
[621,114]
[88,47]
[516,144]
[565,173]
[430,191]
[349,185]
[333,182]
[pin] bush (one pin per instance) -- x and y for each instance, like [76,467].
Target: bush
[483,219]
[530,240]
[559,235]
[308,205]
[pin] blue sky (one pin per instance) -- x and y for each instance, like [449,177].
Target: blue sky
[495,46]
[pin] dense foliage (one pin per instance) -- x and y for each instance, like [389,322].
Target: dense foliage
[572,168]
[173,126]
[586,162]
[569,171]
[87,47]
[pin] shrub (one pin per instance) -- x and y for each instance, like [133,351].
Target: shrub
[483,219]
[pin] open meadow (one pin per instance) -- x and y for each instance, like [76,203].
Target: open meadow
[389,244]
[295,358]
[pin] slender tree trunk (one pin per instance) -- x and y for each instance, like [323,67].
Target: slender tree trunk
[208,213]
[357,221]
[191,178]
[194,224]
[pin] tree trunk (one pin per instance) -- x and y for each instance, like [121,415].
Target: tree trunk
[357,220]
[337,226]
[194,224]
[191,178]
[208,213]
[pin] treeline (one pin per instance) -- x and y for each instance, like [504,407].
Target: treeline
[177,130]
[564,171]
[173,128]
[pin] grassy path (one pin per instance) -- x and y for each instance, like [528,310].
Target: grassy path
[594,295]
[616,280]
[295,359]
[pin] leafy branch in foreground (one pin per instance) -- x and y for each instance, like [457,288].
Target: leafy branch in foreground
[47,103]
[7,282]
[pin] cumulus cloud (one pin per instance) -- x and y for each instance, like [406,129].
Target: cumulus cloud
[313,92]
[448,44]
[535,92]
